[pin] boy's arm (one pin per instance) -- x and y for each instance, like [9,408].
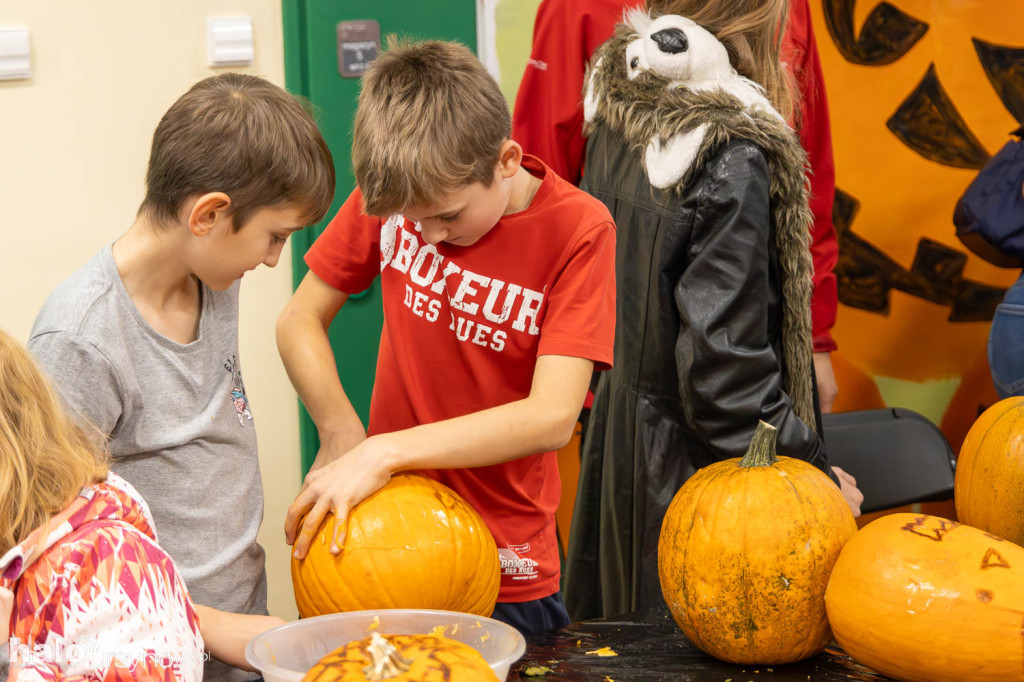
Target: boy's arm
[816,139]
[801,54]
[541,422]
[226,634]
[309,360]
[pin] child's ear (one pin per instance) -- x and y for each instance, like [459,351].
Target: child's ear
[208,211]
[510,156]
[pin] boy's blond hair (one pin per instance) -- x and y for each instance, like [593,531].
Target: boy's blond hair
[244,136]
[45,458]
[430,121]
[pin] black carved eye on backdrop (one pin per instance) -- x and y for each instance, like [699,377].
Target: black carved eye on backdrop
[928,123]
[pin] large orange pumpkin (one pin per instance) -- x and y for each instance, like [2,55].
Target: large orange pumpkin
[414,544]
[919,597]
[402,658]
[989,490]
[745,553]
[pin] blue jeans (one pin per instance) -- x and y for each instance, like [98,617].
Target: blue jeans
[533,617]
[1006,343]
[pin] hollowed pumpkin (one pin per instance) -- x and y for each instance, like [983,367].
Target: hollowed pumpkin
[400,658]
[989,489]
[919,597]
[745,553]
[413,544]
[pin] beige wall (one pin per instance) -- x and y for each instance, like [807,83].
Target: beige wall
[74,141]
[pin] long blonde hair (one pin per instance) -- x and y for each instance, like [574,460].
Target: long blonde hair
[45,457]
[751,31]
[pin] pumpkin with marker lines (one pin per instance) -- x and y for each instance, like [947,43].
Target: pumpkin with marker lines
[922,598]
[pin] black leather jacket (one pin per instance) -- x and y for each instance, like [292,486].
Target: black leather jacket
[698,361]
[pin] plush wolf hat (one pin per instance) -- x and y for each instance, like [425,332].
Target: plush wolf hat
[666,85]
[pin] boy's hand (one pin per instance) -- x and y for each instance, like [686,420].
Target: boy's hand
[336,487]
[6,608]
[853,496]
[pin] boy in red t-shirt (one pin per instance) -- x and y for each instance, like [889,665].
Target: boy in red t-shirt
[498,287]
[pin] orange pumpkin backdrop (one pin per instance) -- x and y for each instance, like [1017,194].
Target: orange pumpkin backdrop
[921,93]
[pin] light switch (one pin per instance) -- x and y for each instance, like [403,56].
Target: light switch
[229,41]
[14,53]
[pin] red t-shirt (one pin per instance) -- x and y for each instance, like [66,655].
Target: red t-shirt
[548,117]
[463,327]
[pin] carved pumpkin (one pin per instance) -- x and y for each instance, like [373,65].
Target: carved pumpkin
[399,658]
[745,553]
[413,544]
[990,472]
[919,597]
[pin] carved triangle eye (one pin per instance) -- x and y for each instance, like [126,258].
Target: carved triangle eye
[929,123]
[1004,67]
[887,34]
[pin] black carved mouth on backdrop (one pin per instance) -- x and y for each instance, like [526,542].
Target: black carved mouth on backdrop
[865,275]
[1004,67]
[929,123]
[887,34]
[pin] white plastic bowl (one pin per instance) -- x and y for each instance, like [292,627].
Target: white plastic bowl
[286,653]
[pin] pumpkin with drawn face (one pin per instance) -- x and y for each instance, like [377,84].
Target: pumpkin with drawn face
[922,598]
[921,92]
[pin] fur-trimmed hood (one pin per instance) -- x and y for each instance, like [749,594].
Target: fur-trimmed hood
[666,86]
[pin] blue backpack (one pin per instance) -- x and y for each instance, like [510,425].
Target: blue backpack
[989,217]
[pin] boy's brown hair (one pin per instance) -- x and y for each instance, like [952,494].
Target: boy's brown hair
[431,120]
[244,136]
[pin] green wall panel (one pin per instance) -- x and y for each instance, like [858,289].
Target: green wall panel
[311,70]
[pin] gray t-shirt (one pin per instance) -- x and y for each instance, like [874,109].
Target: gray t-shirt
[180,426]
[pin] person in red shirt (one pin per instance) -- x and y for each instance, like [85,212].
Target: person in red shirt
[498,287]
[548,122]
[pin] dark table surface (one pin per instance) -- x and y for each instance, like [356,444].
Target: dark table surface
[650,646]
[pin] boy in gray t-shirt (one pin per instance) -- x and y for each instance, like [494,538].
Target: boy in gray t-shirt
[142,341]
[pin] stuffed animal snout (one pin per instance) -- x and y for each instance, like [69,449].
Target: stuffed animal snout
[676,48]
[671,40]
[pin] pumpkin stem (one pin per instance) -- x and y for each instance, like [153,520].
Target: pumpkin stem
[761,452]
[385,661]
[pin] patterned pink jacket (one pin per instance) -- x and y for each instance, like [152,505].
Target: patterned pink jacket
[99,599]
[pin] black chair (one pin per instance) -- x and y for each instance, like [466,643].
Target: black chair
[897,456]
